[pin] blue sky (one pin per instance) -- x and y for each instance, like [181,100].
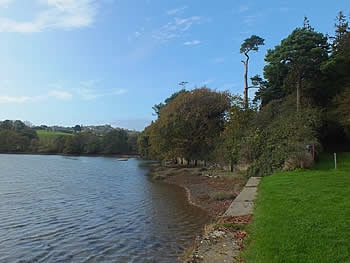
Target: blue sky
[70,62]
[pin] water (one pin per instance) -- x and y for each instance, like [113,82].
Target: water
[90,209]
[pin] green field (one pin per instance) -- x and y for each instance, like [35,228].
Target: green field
[303,216]
[47,138]
[43,133]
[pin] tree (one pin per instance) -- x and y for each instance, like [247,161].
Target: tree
[115,142]
[341,29]
[237,122]
[92,143]
[143,144]
[298,57]
[73,145]
[248,45]
[161,105]
[6,125]
[17,137]
[18,125]
[342,103]
[77,128]
[187,126]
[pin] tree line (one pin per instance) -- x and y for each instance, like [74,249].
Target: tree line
[17,137]
[302,99]
[117,141]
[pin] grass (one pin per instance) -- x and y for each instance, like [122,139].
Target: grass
[48,134]
[47,138]
[303,216]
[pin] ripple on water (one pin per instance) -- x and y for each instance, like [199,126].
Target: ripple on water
[58,209]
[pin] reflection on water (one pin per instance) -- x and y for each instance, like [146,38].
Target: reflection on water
[90,209]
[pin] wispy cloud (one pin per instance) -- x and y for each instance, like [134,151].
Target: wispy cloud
[54,14]
[137,34]
[57,94]
[176,11]
[13,99]
[192,43]
[243,8]
[61,95]
[176,28]
[86,90]
[249,20]
[4,3]
[92,94]
[89,90]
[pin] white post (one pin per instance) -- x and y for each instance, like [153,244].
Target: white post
[335,160]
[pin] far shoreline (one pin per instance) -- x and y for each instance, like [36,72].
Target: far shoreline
[77,155]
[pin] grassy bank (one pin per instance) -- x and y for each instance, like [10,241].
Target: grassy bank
[303,216]
[47,139]
[48,135]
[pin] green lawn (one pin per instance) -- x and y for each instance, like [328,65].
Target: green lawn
[47,138]
[303,216]
[45,134]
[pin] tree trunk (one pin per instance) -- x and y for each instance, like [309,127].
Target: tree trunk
[245,63]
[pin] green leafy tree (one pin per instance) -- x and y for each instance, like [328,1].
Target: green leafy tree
[77,128]
[341,30]
[17,137]
[157,108]
[115,142]
[188,125]
[277,141]
[237,125]
[297,59]
[143,144]
[73,145]
[91,143]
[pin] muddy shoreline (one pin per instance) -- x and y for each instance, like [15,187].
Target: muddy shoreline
[213,191]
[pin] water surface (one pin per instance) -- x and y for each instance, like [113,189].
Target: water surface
[90,209]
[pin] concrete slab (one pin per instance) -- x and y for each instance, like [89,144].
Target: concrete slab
[247,194]
[243,204]
[240,209]
[253,182]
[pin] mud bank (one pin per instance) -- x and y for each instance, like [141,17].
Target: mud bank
[213,191]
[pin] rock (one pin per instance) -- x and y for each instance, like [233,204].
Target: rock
[217,234]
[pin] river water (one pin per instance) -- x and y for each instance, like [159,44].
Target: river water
[90,209]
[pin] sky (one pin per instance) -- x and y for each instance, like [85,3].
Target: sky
[91,62]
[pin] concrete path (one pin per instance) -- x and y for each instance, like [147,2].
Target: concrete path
[244,202]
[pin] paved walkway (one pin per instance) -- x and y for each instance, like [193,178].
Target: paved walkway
[244,202]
